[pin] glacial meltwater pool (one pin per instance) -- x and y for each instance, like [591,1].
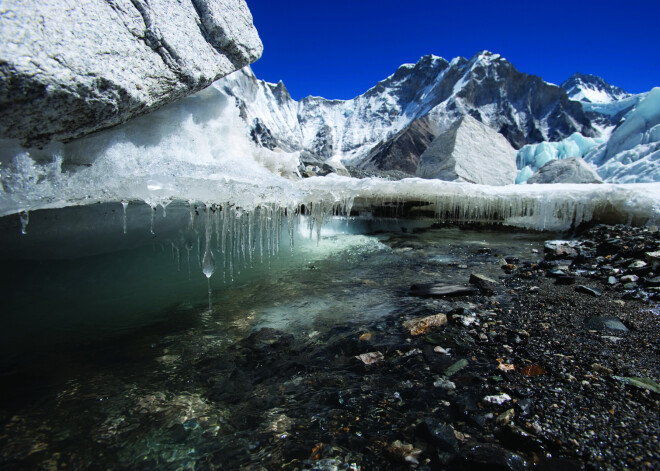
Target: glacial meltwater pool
[112,359]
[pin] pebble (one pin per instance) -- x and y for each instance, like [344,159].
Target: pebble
[444,383]
[498,399]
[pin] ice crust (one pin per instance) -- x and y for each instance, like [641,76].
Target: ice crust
[198,150]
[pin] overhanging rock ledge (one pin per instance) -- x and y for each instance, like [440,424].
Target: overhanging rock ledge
[72,67]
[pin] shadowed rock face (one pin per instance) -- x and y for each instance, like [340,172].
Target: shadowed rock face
[571,170]
[71,67]
[403,150]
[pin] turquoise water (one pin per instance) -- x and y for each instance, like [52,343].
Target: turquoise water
[113,358]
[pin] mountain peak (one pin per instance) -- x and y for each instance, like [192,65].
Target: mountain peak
[592,89]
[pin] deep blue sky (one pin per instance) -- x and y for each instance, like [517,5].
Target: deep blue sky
[340,48]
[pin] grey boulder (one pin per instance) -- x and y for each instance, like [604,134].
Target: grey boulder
[570,170]
[71,67]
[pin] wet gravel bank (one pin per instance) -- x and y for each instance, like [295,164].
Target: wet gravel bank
[521,376]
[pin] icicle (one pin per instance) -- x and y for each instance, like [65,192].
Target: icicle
[191,208]
[208,262]
[164,205]
[290,222]
[124,205]
[153,215]
[24,216]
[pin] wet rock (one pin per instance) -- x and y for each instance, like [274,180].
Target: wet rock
[370,358]
[404,452]
[444,383]
[565,280]
[554,273]
[652,257]
[420,325]
[505,417]
[492,457]
[651,282]
[440,290]
[629,279]
[555,249]
[587,290]
[605,323]
[486,285]
[441,435]
[456,367]
[525,405]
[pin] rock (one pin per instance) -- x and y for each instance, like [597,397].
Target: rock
[637,264]
[651,282]
[492,457]
[598,368]
[505,417]
[570,170]
[370,358]
[444,383]
[422,324]
[652,257]
[554,249]
[554,273]
[441,435]
[629,279]
[611,280]
[102,63]
[456,367]
[605,323]
[439,290]
[485,284]
[587,290]
[469,151]
[498,399]
[565,280]
[404,452]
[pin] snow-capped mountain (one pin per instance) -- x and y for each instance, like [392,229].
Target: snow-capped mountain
[523,108]
[592,89]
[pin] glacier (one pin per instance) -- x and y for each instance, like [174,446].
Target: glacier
[199,151]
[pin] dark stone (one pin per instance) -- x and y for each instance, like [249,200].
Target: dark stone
[554,273]
[587,290]
[439,290]
[439,434]
[485,284]
[605,323]
[525,406]
[565,280]
[492,457]
[652,282]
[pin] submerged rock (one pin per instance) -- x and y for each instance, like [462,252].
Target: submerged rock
[65,75]
[441,290]
[420,325]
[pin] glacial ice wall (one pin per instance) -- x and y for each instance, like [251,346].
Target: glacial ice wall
[532,157]
[198,151]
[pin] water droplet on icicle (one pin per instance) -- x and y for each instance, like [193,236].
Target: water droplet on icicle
[24,216]
[208,262]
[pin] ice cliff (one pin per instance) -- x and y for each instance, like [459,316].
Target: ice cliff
[72,67]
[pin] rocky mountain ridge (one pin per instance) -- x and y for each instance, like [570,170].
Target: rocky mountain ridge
[523,108]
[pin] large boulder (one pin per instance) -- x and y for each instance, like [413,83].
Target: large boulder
[472,152]
[571,170]
[71,67]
